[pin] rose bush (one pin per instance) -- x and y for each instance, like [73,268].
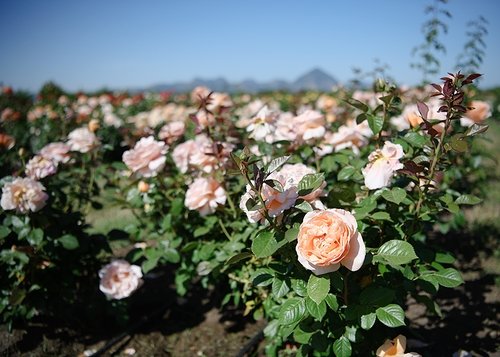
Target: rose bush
[311,211]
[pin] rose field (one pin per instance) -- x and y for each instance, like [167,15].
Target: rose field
[357,222]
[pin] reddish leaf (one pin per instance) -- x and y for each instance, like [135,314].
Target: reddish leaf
[423,109]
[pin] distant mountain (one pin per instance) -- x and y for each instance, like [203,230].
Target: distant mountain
[315,79]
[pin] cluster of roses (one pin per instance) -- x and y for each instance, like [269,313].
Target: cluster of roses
[25,194]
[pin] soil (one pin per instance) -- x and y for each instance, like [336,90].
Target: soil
[194,326]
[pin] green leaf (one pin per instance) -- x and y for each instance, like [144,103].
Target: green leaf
[381,216]
[375,123]
[368,320]
[468,200]
[304,206]
[69,242]
[172,255]
[35,237]
[292,233]
[396,195]
[292,311]
[332,302]
[391,315]
[264,244]
[449,278]
[299,287]
[238,257]
[357,104]
[4,232]
[309,183]
[346,173]
[318,311]
[397,252]
[342,347]
[276,164]
[415,139]
[318,288]
[458,143]
[280,287]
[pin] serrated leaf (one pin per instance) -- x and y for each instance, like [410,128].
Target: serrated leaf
[415,139]
[69,242]
[397,252]
[468,200]
[391,315]
[318,311]
[342,347]
[276,164]
[264,244]
[279,287]
[396,195]
[346,173]
[309,183]
[375,123]
[332,302]
[304,206]
[292,311]
[368,320]
[449,278]
[318,288]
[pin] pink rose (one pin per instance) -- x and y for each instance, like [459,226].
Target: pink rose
[293,173]
[23,195]
[147,158]
[328,239]
[349,136]
[82,140]
[39,167]
[119,279]
[205,195]
[382,165]
[210,156]
[310,125]
[395,348]
[184,152]
[172,131]
[58,152]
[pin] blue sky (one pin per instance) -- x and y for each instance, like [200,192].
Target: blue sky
[129,43]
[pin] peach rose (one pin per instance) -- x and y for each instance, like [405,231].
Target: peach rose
[395,348]
[39,167]
[293,173]
[58,152]
[349,136]
[328,239]
[182,154]
[382,165]
[82,140]
[147,158]
[172,131]
[205,195]
[310,125]
[119,279]
[23,195]
[262,126]
[479,112]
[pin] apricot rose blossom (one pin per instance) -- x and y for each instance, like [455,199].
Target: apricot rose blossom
[382,165]
[395,348]
[328,239]
[147,158]
[23,195]
[205,195]
[119,279]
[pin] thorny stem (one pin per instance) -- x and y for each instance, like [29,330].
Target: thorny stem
[261,200]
